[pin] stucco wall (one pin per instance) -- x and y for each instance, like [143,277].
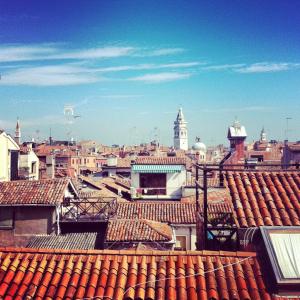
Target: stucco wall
[6,144]
[175,181]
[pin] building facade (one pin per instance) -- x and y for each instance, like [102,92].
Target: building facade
[9,153]
[158,178]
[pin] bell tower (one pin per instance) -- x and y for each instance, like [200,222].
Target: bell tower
[18,133]
[180,132]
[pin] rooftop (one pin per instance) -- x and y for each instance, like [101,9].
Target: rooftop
[77,274]
[138,230]
[80,241]
[265,198]
[32,192]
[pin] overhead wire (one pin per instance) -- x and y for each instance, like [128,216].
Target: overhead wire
[167,278]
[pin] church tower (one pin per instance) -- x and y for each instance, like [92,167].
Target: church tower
[263,135]
[180,132]
[18,133]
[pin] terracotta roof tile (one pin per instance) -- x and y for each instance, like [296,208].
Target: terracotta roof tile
[28,192]
[130,275]
[265,198]
[168,211]
[138,230]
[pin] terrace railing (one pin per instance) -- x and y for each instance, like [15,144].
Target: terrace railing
[88,209]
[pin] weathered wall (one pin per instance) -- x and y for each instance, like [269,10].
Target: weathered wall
[28,221]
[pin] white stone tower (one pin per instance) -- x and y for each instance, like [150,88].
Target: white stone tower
[18,133]
[263,135]
[180,132]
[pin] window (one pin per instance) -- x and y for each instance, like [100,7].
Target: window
[6,217]
[180,243]
[33,167]
[153,184]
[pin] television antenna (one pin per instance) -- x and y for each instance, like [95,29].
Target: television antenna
[70,118]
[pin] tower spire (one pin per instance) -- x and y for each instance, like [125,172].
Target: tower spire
[18,132]
[180,132]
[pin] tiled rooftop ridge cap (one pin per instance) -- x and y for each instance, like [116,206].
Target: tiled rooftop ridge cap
[127,252]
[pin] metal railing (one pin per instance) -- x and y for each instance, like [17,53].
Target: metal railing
[88,209]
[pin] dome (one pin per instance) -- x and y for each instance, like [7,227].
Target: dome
[198,146]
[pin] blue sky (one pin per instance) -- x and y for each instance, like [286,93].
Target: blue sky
[127,66]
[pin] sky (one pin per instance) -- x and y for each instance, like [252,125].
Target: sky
[125,67]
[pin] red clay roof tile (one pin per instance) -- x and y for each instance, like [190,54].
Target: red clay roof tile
[265,198]
[130,275]
[27,192]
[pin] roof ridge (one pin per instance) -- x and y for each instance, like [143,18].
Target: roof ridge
[127,252]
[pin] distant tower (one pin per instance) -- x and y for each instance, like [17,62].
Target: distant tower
[180,132]
[18,133]
[263,135]
[237,136]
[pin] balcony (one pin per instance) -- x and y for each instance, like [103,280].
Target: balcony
[93,209]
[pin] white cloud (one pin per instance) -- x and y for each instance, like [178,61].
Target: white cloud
[265,67]
[166,51]
[49,76]
[125,96]
[25,53]
[223,67]
[239,109]
[262,67]
[161,77]
[149,67]
[14,53]
[94,53]
[53,52]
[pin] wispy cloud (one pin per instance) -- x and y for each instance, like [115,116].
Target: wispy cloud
[149,67]
[265,67]
[125,96]
[49,76]
[261,67]
[223,67]
[25,53]
[54,52]
[239,109]
[166,51]
[161,77]
[15,53]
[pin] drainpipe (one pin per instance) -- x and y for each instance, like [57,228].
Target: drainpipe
[57,218]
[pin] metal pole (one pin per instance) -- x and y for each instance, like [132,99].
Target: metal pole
[197,189]
[205,208]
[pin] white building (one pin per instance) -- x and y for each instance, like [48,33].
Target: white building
[158,178]
[29,163]
[180,132]
[9,152]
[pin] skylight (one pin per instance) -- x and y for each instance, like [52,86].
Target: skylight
[282,246]
[286,247]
